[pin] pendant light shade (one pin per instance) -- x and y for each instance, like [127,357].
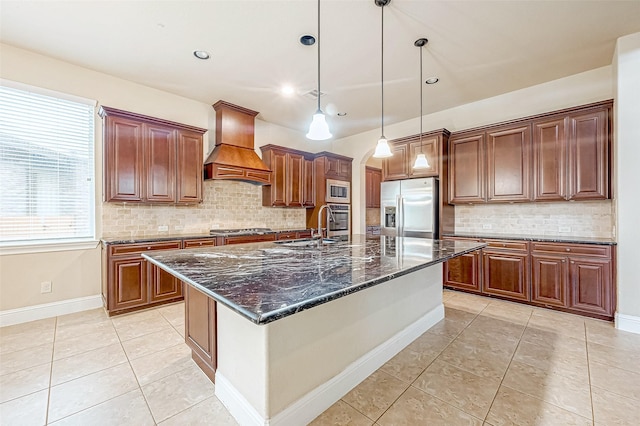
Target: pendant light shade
[421,159]
[382,149]
[319,129]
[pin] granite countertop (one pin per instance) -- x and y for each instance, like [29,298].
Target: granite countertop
[539,238]
[268,281]
[168,237]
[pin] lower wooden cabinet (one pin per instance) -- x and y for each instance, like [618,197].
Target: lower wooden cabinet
[240,239]
[576,278]
[200,329]
[132,282]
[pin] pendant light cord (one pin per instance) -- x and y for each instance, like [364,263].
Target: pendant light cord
[421,102]
[319,110]
[382,69]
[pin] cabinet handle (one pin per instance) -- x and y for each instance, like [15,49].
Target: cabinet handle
[568,249]
[148,248]
[563,261]
[504,245]
[573,262]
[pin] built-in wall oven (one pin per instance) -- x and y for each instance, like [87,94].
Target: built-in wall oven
[338,220]
[338,191]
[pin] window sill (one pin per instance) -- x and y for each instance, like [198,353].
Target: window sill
[44,247]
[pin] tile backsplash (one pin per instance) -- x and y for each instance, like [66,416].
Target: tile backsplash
[576,219]
[226,204]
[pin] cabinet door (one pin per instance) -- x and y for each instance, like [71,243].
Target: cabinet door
[396,167]
[549,159]
[506,274]
[463,272]
[509,164]
[241,239]
[163,285]
[123,160]
[372,186]
[430,149]
[466,169]
[160,163]
[129,286]
[309,184]
[279,178]
[588,156]
[201,329]
[549,280]
[294,180]
[590,285]
[189,167]
[199,242]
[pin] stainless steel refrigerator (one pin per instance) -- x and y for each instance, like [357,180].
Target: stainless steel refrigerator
[409,208]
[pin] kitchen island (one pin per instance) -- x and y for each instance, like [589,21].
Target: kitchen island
[298,325]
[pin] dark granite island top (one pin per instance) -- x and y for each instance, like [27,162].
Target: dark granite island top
[268,281]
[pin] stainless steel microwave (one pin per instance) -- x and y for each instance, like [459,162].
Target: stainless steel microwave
[338,191]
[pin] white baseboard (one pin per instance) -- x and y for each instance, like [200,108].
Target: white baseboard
[324,396]
[629,323]
[48,310]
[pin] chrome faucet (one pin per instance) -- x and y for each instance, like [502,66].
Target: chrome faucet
[326,206]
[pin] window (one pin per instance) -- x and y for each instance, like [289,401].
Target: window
[47,188]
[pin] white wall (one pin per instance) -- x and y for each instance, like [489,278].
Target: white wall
[626,65]
[579,89]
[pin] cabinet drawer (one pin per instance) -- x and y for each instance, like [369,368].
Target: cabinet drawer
[201,242]
[140,247]
[287,235]
[250,238]
[573,249]
[304,234]
[522,246]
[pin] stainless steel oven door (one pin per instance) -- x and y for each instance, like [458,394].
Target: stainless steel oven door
[340,222]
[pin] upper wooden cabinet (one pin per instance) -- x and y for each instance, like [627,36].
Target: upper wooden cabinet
[293,180]
[467,168]
[405,151]
[150,160]
[557,156]
[335,166]
[509,164]
[372,185]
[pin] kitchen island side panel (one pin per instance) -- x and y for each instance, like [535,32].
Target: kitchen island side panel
[333,346]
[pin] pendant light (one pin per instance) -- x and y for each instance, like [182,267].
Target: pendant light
[382,148]
[319,129]
[421,160]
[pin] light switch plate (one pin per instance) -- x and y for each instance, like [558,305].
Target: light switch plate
[162,228]
[45,287]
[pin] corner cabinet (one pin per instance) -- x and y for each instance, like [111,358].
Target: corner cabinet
[293,178]
[149,160]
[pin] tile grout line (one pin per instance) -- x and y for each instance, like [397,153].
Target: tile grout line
[53,349]
[586,347]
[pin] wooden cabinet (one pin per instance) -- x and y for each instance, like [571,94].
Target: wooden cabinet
[549,159]
[150,160]
[336,166]
[557,156]
[509,164]
[199,242]
[505,266]
[467,168]
[293,235]
[132,282]
[588,155]
[405,150]
[241,239]
[293,180]
[373,179]
[578,277]
[201,329]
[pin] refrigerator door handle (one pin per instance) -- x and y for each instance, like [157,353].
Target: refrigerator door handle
[400,215]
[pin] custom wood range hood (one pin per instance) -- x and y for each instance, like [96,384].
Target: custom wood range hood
[233,156]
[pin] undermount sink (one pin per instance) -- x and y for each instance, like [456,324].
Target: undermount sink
[307,242]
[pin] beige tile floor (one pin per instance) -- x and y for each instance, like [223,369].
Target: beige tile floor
[488,362]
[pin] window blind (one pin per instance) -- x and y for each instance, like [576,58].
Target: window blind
[47,188]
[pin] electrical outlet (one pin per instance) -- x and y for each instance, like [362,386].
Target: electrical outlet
[163,228]
[45,287]
[486,226]
[564,229]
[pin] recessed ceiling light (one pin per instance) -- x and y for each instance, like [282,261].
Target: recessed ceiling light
[432,80]
[201,54]
[341,114]
[287,90]
[307,40]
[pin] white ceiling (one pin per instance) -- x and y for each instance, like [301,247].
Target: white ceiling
[478,49]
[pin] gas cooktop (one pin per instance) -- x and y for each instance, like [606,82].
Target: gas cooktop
[244,231]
